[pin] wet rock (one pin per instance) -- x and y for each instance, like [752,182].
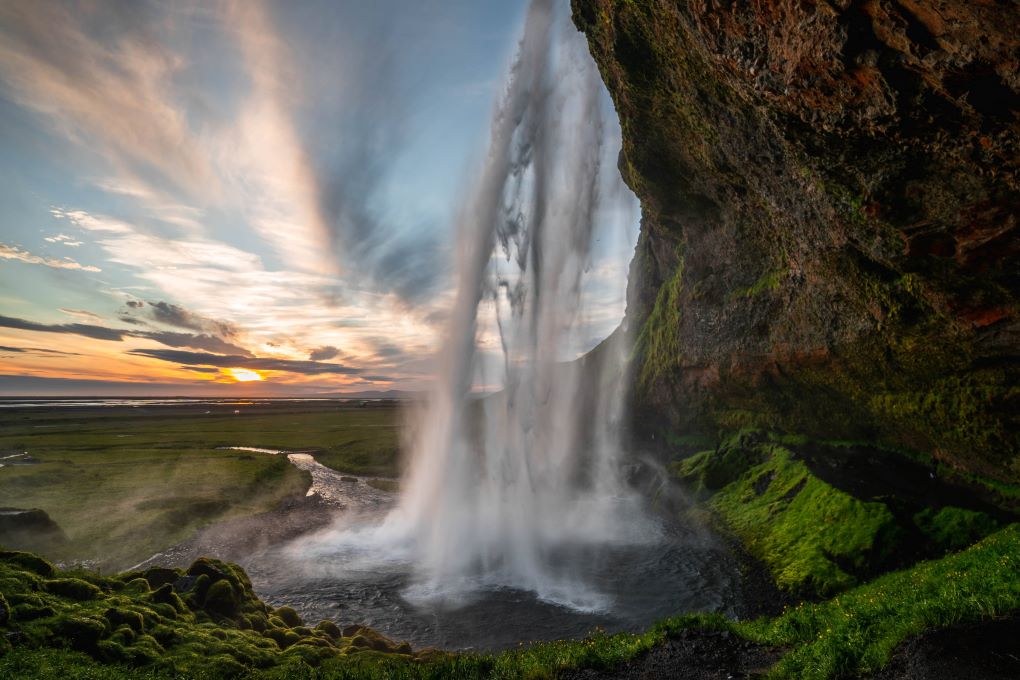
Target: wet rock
[830,237]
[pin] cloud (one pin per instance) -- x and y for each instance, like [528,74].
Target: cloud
[63,239]
[210,343]
[37,350]
[323,353]
[176,315]
[84,329]
[237,361]
[14,253]
[100,75]
[387,350]
[320,194]
[204,342]
[81,314]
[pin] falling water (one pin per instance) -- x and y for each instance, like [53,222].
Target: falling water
[509,490]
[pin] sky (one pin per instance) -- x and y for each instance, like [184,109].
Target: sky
[248,198]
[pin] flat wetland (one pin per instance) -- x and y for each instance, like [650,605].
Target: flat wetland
[124,482]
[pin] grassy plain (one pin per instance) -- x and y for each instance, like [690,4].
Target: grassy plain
[124,483]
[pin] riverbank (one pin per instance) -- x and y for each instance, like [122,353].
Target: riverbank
[123,482]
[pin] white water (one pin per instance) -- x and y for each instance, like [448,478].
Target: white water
[514,490]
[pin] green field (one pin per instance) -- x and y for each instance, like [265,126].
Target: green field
[126,483]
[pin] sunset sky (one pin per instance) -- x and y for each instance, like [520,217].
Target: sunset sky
[217,198]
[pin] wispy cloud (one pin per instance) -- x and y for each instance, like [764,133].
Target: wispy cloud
[37,350]
[81,314]
[101,76]
[63,239]
[205,342]
[14,253]
[83,329]
[260,364]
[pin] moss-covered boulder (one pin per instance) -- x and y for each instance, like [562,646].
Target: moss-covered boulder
[203,622]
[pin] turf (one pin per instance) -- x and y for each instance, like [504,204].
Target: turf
[124,485]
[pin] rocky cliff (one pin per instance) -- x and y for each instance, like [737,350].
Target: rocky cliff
[830,198]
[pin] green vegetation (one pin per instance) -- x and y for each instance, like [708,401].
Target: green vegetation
[855,633]
[850,635]
[124,485]
[954,528]
[812,536]
[766,282]
[816,539]
[659,340]
[206,621]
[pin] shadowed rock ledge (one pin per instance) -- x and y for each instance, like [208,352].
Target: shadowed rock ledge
[830,197]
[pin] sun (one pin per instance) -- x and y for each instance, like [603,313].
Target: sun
[243,374]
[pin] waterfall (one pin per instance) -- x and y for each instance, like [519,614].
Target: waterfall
[506,490]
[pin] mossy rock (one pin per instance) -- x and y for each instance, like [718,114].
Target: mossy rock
[330,629]
[257,622]
[283,637]
[165,595]
[118,617]
[28,561]
[28,612]
[221,598]
[124,635]
[136,586]
[196,593]
[160,576]
[289,616]
[82,633]
[73,588]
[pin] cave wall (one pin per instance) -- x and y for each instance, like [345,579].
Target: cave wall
[830,198]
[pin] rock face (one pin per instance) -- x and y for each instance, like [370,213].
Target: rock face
[830,199]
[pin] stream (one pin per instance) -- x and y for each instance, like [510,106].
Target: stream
[354,581]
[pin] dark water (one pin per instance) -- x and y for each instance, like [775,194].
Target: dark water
[681,573]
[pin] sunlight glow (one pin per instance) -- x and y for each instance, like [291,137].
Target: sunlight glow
[243,374]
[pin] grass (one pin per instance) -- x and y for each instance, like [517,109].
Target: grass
[851,635]
[124,485]
[855,633]
[812,536]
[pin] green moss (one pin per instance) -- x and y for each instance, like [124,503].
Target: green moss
[221,598]
[658,344]
[954,528]
[854,634]
[766,282]
[813,537]
[28,561]
[289,616]
[73,588]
